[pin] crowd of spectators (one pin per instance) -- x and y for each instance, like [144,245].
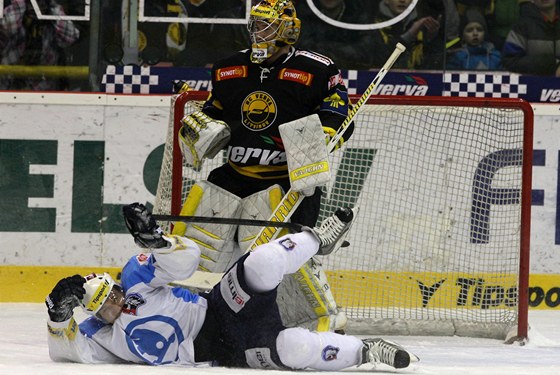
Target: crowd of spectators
[521,36]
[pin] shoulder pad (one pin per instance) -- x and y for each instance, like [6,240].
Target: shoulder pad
[315,56]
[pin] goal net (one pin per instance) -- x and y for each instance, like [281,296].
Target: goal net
[441,243]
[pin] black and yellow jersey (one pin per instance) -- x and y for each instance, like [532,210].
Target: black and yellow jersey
[254,99]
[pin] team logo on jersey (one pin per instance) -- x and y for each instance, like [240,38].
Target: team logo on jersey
[297,76]
[288,244]
[258,111]
[230,72]
[330,353]
[132,303]
[155,339]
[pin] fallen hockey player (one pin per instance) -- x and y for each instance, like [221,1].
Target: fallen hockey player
[236,324]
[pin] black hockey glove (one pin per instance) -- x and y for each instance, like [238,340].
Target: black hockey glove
[140,223]
[66,295]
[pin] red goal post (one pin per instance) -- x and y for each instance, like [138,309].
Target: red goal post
[441,244]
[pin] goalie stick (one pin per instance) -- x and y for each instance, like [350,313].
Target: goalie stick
[227,220]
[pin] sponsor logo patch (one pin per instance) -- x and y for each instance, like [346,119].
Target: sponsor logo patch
[260,358]
[297,76]
[231,291]
[231,72]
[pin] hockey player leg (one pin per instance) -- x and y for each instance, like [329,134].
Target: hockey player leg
[305,298]
[266,266]
[215,240]
[299,348]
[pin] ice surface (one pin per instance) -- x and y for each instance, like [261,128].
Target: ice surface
[23,351]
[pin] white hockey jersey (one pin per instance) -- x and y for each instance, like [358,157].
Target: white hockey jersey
[158,324]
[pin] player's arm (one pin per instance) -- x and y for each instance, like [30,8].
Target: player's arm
[66,340]
[170,257]
[335,106]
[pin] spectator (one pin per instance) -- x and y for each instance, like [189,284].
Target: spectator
[419,33]
[26,40]
[162,42]
[475,53]
[504,15]
[533,44]
[349,49]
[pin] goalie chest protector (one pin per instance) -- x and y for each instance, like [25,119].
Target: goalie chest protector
[254,99]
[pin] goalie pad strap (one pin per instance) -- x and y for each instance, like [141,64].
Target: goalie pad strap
[215,240]
[202,137]
[306,152]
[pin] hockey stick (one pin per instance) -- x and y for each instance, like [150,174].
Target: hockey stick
[292,199]
[226,220]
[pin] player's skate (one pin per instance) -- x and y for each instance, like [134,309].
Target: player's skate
[334,229]
[381,351]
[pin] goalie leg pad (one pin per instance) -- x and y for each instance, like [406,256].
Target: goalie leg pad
[306,152]
[215,240]
[305,299]
[257,206]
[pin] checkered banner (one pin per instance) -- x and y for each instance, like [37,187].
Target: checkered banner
[159,80]
[128,79]
[351,81]
[489,85]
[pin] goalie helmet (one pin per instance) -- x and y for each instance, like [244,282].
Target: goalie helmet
[103,298]
[272,24]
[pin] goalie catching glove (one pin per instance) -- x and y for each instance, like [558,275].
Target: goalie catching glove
[66,295]
[202,137]
[140,223]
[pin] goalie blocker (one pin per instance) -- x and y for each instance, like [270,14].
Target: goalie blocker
[306,153]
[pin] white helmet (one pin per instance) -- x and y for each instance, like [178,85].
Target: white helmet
[98,289]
